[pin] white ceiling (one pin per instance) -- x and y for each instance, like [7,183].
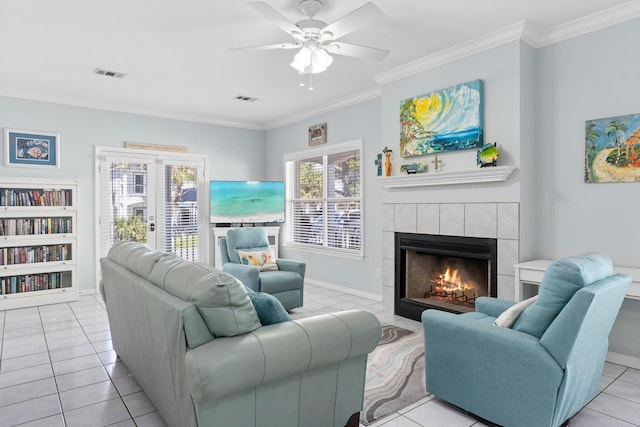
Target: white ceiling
[178,64]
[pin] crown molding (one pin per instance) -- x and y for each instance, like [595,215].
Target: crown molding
[366,95]
[454,53]
[525,31]
[72,102]
[597,21]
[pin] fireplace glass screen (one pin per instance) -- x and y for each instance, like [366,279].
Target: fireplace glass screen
[442,272]
[450,283]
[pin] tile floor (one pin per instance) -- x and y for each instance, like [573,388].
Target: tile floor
[58,368]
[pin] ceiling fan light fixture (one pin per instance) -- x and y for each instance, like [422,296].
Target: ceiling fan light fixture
[311,60]
[302,60]
[320,61]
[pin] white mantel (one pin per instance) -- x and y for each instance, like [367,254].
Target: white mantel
[488,174]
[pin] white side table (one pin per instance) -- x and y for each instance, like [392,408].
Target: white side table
[531,272]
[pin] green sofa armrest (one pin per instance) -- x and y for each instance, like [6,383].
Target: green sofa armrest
[228,365]
[249,276]
[492,306]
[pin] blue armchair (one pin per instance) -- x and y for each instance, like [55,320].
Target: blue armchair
[286,283]
[543,369]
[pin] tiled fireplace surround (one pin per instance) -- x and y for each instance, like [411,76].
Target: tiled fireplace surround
[490,220]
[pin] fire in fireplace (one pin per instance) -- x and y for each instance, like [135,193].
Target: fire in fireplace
[443,272]
[450,286]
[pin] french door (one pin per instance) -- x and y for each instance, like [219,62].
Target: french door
[158,199]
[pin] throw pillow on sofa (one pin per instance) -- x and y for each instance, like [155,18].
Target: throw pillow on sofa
[510,315]
[220,298]
[268,307]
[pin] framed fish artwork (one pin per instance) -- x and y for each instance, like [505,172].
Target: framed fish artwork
[31,149]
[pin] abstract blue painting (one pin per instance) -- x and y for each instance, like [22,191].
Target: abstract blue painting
[445,120]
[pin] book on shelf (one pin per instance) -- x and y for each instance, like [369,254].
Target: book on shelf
[34,282]
[29,197]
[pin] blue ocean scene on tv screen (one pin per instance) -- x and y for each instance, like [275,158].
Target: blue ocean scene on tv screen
[246,201]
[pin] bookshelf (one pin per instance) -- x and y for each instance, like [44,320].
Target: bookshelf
[38,242]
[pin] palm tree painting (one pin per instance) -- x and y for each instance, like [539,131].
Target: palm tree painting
[612,149]
[444,120]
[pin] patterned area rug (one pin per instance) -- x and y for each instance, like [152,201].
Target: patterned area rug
[395,374]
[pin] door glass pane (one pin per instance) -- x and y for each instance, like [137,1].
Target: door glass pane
[129,214]
[181,211]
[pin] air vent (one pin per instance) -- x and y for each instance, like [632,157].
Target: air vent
[108,73]
[245,98]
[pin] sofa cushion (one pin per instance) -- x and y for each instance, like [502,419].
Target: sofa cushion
[268,307]
[162,267]
[279,281]
[220,298]
[510,315]
[264,260]
[563,278]
[135,257]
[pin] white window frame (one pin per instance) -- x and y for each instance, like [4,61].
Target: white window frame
[137,186]
[355,145]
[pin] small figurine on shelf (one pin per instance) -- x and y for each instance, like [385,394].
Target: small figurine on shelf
[413,168]
[379,163]
[437,164]
[488,155]
[387,160]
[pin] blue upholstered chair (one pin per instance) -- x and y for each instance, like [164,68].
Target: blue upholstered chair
[545,367]
[286,284]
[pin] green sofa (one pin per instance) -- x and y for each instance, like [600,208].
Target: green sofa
[193,340]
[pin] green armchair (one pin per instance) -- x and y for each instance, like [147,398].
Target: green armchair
[545,367]
[286,283]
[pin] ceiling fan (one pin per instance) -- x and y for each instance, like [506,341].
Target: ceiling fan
[315,39]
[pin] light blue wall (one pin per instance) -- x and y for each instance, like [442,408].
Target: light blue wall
[233,153]
[529,154]
[361,121]
[589,77]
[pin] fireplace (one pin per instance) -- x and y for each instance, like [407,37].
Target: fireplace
[442,272]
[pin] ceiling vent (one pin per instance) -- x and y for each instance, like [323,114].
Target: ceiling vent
[108,73]
[245,98]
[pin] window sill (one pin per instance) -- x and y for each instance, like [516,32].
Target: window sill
[333,252]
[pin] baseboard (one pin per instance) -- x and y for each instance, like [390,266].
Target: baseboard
[84,292]
[623,359]
[344,289]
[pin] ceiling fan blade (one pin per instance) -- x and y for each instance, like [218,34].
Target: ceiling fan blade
[269,46]
[274,16]
[364,52]
[365,14]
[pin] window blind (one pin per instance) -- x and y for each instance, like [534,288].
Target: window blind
[324,199]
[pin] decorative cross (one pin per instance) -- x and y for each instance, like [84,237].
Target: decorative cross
[437,163]
[379,164]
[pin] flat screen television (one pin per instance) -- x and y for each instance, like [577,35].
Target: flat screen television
[244,202]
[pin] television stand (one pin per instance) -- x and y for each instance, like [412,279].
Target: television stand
[219,233]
